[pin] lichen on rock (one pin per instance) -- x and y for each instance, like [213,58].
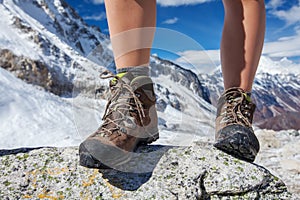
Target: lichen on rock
[196,172]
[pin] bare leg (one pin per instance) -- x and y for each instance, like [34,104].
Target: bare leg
[131,45]
[242,41]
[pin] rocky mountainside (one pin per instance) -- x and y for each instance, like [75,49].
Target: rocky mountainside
[46,44]
[45,21]
[277,97]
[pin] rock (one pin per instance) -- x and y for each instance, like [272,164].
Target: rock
[279,152]
[165,98]
[24,183]
[196,172]
[184,77]
[35,72]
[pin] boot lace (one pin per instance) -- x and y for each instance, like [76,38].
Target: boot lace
[237,110]
[119,105]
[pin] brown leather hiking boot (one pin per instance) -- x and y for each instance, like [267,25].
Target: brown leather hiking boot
[234,133]
[130,119]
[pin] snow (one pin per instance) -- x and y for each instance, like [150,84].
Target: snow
[33,117]
[41,21]
[282,66]
[11,38]
[194,122]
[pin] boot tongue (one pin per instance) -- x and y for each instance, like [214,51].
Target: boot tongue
[122,103]
[126,77]
[143,82]
[247,96]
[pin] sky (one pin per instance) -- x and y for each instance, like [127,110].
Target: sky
[187,27]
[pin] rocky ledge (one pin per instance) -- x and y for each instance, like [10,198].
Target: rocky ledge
[196,172]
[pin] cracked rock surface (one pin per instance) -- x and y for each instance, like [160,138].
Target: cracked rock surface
[196,172]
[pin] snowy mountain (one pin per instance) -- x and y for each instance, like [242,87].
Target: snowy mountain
[47,45]
[276,95]
[51,33]
[282,66]
[58,58]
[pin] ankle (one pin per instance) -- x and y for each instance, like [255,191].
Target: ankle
[136,70]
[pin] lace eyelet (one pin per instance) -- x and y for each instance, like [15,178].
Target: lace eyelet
[138,95]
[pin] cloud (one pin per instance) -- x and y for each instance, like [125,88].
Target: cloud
[98,17]
[203,61]
[97,1]
[170,21]
[166,3]
[206,62]
[274,4]
[290,16]
[284,46]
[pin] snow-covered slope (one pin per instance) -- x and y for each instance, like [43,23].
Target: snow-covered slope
[46,43]
[31,116]
[41,46]
[48,22]
[53,34]
[282,66]
[183,104]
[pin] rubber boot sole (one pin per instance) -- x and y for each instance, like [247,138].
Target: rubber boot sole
[239,146]
[87,159]
[238,141]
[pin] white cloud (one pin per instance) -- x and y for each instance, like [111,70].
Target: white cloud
[275,58]
[97,1]
[284,47]
[274,4]
[199,60]
[290,16]
[180,2]
[98,17]
[171,21]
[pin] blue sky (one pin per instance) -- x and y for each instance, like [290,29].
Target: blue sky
[202,21]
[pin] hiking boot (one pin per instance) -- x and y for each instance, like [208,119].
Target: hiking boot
[234,133]
[130,119]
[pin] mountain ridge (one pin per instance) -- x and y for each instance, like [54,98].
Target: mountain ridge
[40,57]
[73,69]
[276,97]
[33,52]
